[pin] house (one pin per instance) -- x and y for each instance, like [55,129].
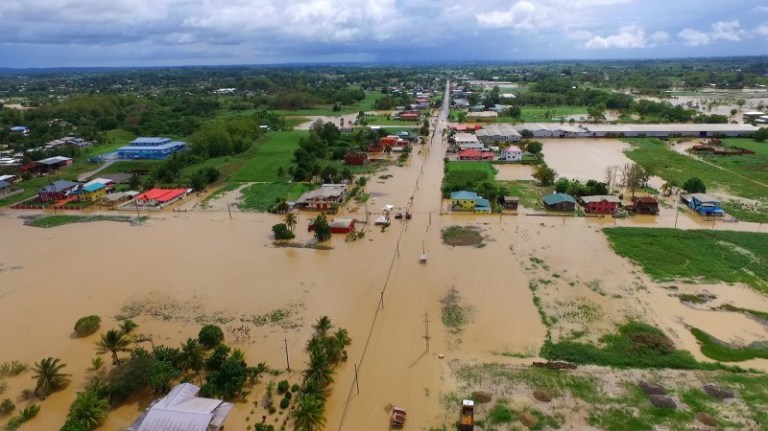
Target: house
[53,163]
[10,178]
[511,202]
[512,154]
[467,141]
[5,187]
[704,204]
[20,130]
[483,117]
[469,201]
[475,155]
[113,199]
[388,141]
[33,168]
[337,225]
[645,205]
[91,192]
[328,196]
[182,410]
[408,116]
[160,197]
[356,158]
[150,148]
[559,202]
[56,191]
[599,204]
[375,147]
[108,183]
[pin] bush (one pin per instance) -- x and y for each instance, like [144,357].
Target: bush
[282,386]
[6,406]
[295,388]
[284,403]
[210,336]
[694,185]
[272,410]
[288,395]
[281,231]
[87,325]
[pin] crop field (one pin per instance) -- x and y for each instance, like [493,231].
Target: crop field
[698,255]
[276,150]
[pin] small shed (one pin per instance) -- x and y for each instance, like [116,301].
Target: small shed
[356,158]
[511,202]
[559,202]
[645,205]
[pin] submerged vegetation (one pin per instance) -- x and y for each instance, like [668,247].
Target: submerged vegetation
[463,236]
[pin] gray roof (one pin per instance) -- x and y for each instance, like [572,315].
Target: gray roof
[497,130]
[326,191]
[4,184]
[701,197]
[600,198]
[181,410]
[58,186]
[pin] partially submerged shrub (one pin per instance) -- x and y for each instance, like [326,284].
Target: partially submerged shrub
[87,325]
[210,336]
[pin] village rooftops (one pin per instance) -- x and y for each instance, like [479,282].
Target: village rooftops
[58,186]
[326,191]
[600,198]
[55,160]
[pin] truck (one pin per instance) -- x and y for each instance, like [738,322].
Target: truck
[467,419]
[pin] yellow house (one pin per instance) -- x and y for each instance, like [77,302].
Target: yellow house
[92,192]
[463,200]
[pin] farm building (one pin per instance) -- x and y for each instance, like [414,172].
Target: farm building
[328,196]
[56,191]
[645,205]
[512,154]
[337,225]
[704,204]
[468,141]
[483,117]
[150,148]
[53,163]
[469,201]
[559,202]
[497,133]
[599,204]
[551,130]
[182,410]
[160,197]
[476,155]
[511,202]
[356,158]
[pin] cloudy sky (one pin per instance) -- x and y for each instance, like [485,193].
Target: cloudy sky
[53,33]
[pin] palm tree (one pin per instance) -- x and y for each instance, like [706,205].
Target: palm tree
[308,414]
[319,370]
[340,341]
[322,325]
[127,326]
[89,409]
[49,376]
[315,390]
[113,341]
[192,357]
[290,220]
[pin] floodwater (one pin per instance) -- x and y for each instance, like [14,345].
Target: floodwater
[180,269]
[510,172]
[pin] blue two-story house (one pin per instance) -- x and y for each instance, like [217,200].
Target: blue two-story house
[704,204]
[150,148]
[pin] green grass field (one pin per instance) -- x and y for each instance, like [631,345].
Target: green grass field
[259,197]
[528,192]
[275,150]
[60,220]
[546,115]
[715,349]
[698,255]
[670,165]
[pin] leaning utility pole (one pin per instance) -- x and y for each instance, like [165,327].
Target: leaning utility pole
[287,362]
[426,329]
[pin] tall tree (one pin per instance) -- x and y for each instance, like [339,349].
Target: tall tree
[192,356]
[48,376]
[290,220]
[322,326]
[88,409]
[113,341]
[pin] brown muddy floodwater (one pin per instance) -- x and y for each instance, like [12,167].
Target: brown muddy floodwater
[509,172]
[181,269]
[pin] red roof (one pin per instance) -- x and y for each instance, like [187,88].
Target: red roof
[470,153]
[161,195]
[646,200]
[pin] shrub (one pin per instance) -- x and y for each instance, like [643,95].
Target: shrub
[295,388]
[282,386]
[284,403]
[6,406]
[281,231]
[87,325]
[210,336]
[272,410]
[288,395]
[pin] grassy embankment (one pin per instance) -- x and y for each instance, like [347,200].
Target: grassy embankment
[60,220]
[734,174]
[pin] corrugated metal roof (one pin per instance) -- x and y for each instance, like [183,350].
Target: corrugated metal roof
[556,198]
[600,198]
[463,195]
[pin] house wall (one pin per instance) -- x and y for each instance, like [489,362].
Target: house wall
[562,206]
[94,195]
[512,156]
[465,204]
[603,207]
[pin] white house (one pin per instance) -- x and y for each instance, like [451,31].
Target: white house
[468,141]
[512,154]
[182,410]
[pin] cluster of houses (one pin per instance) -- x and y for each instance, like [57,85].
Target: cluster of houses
[477,146]
[101,191]
[395,143]
[600,204]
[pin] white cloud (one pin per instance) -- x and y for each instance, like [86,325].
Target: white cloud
[762,30]
[658,38]
[630,36]
[728,30]
[760,9]
[520,16]
[693,37]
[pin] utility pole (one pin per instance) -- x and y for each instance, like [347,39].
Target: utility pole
[381,300]
[677,214]
[137,207]
[287,362]
[229,211]
[426,329]
[357,383]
